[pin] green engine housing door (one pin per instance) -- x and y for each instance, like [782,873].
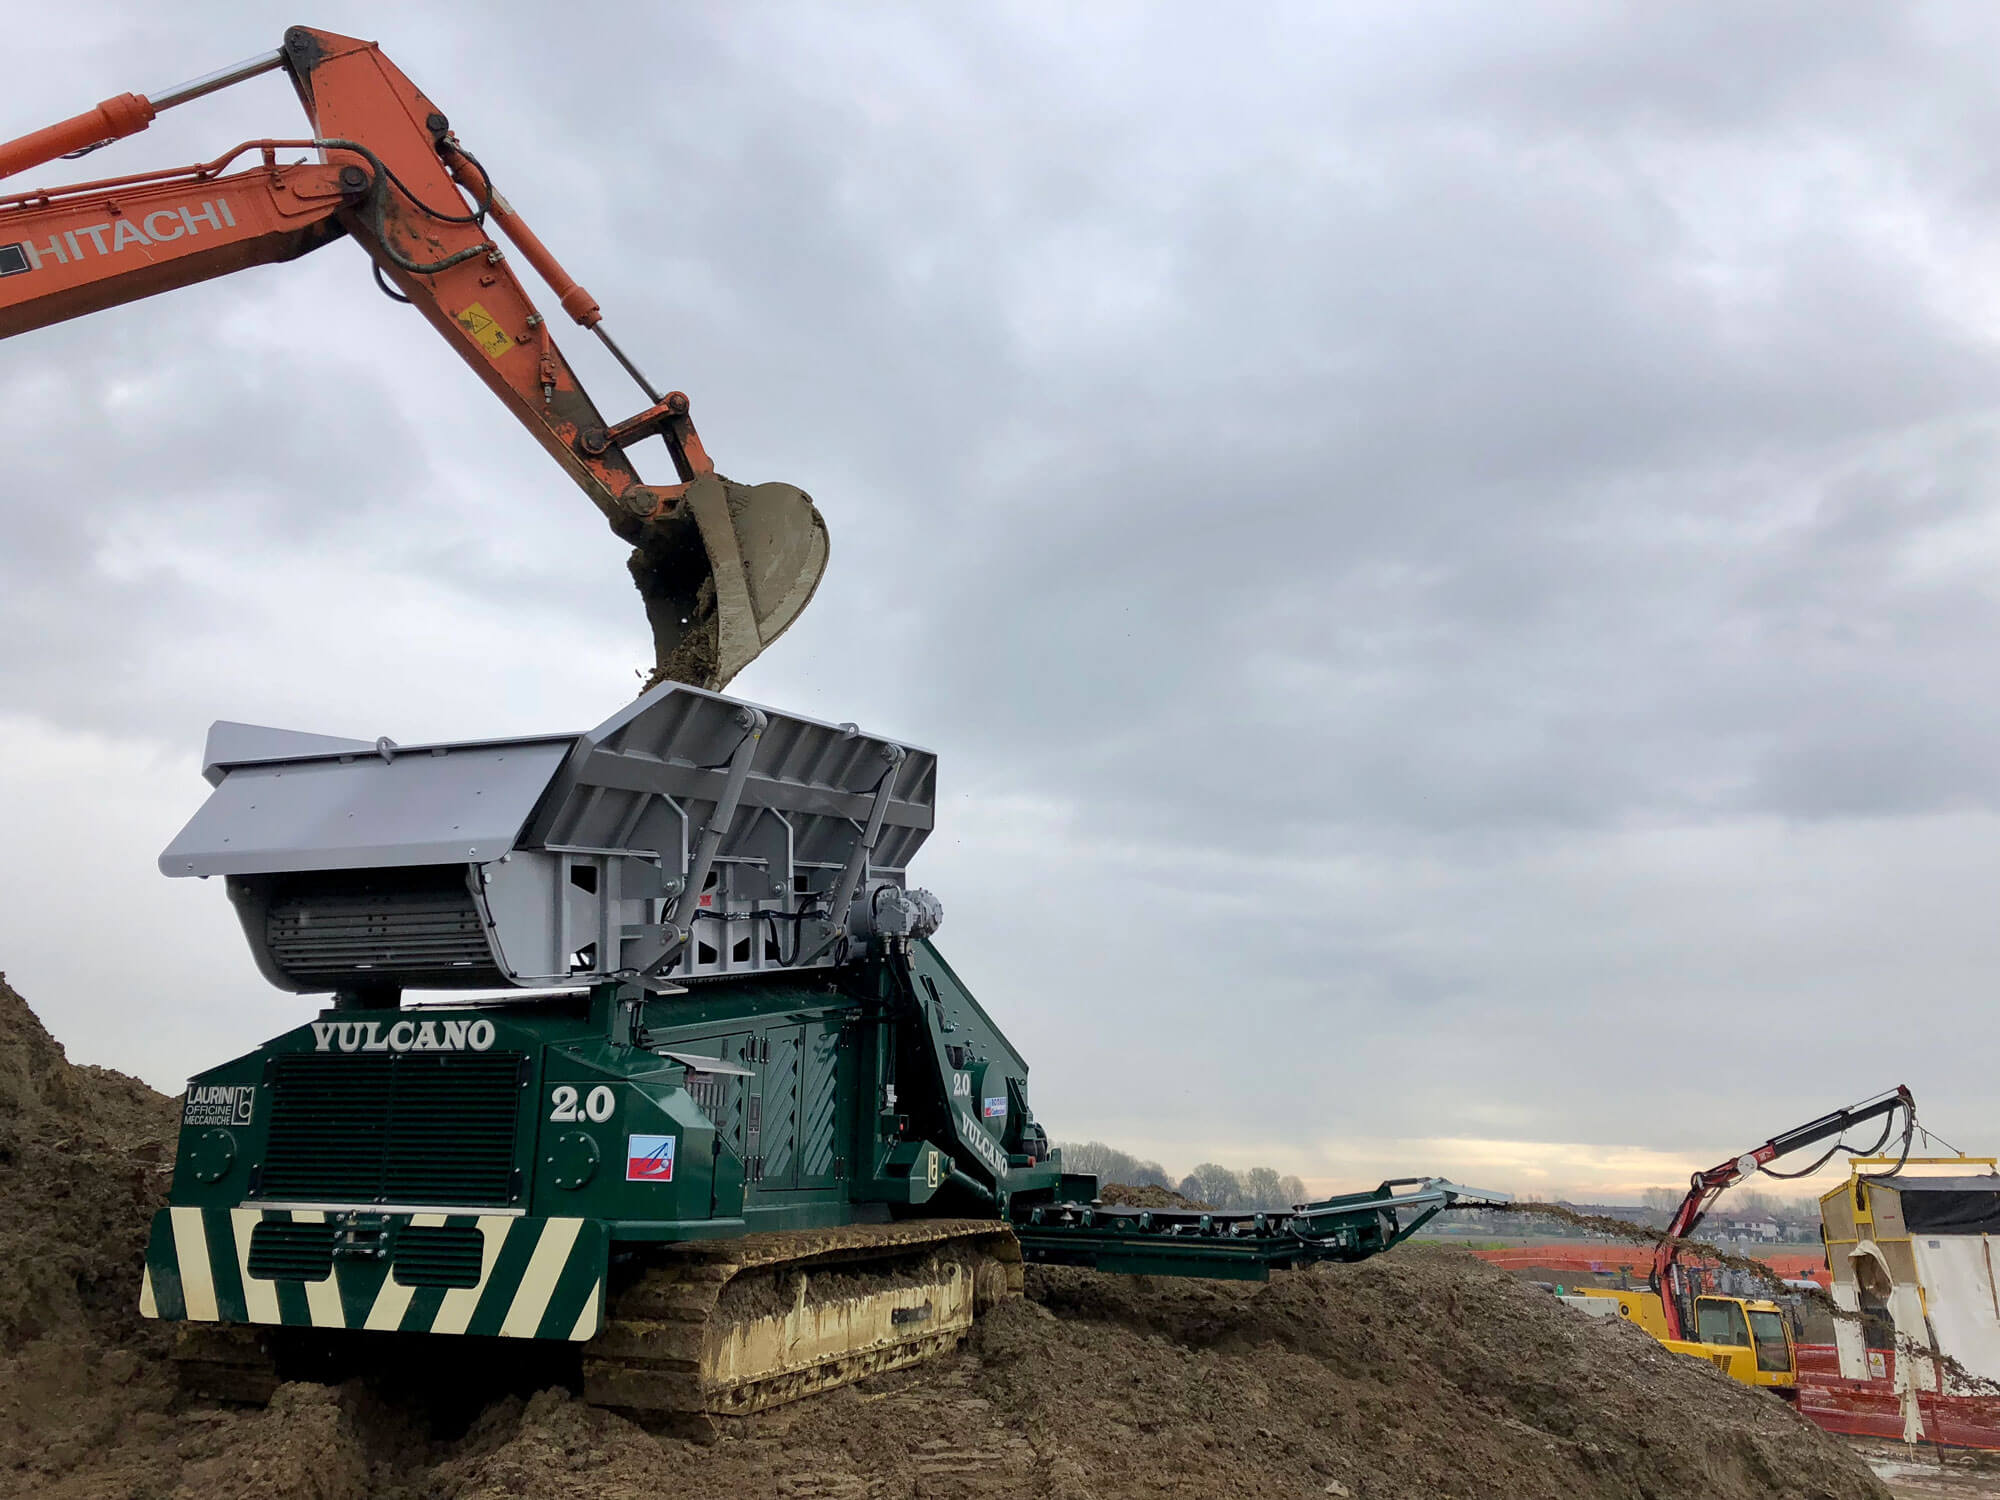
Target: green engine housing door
[826,1109]
[776,1164]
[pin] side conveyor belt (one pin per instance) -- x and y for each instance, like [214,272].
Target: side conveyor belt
[1237,1246]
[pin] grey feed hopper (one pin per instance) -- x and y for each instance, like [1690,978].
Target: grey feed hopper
[690,836]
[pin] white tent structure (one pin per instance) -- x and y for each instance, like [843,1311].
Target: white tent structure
[1916,1248]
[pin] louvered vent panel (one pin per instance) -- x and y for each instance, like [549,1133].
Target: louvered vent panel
[291,1252]
[428,1255]
[411,1128]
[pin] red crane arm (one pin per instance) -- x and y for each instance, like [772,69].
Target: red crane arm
[1706,1187]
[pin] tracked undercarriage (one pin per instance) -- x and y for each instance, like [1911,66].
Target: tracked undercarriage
[716,1328]
[734,1326]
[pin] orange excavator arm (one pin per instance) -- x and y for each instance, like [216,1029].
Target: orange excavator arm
[723,568]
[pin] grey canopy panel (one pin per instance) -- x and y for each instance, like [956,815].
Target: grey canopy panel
[367,809]
[689,836]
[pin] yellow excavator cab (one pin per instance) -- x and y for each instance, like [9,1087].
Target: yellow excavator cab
[1748,1340]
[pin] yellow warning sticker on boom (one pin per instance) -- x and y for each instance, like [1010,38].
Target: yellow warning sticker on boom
[485,330]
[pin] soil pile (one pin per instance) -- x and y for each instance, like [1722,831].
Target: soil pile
[1424,1373]
[1125,1195]
[85,1155]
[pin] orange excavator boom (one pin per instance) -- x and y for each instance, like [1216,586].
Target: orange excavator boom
[723,568]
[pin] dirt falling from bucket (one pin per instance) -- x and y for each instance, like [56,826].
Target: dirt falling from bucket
[680,606]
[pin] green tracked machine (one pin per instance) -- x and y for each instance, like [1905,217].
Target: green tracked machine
[710,1108]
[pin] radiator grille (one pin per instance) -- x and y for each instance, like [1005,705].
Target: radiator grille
[415,1128]
[291,1252]
[430,1256]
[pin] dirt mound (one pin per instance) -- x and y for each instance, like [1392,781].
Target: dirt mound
[85,1155]
[1125,1195]
[1423,1372]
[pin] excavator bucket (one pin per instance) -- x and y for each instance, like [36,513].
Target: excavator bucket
[725,576]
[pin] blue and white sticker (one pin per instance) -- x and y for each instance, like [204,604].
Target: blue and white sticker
[649,1158]
[994,1109]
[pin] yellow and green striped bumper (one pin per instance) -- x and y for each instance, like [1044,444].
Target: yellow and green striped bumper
[492,1275]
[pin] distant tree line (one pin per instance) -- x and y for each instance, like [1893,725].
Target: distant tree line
[1210,1183]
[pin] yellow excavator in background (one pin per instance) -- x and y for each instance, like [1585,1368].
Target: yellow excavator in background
[1748,1339]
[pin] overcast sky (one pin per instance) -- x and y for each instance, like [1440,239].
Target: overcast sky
[1451,554]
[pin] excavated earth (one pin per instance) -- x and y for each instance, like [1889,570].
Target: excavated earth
[1423,1373]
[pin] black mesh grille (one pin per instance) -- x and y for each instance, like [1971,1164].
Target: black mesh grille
[291,1252]
[430,1256]
[365,935]
[417,926]
[416,1128]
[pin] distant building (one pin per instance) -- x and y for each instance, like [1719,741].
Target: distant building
[1760,1231]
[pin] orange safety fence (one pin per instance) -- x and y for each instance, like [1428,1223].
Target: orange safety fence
[1636,1260]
